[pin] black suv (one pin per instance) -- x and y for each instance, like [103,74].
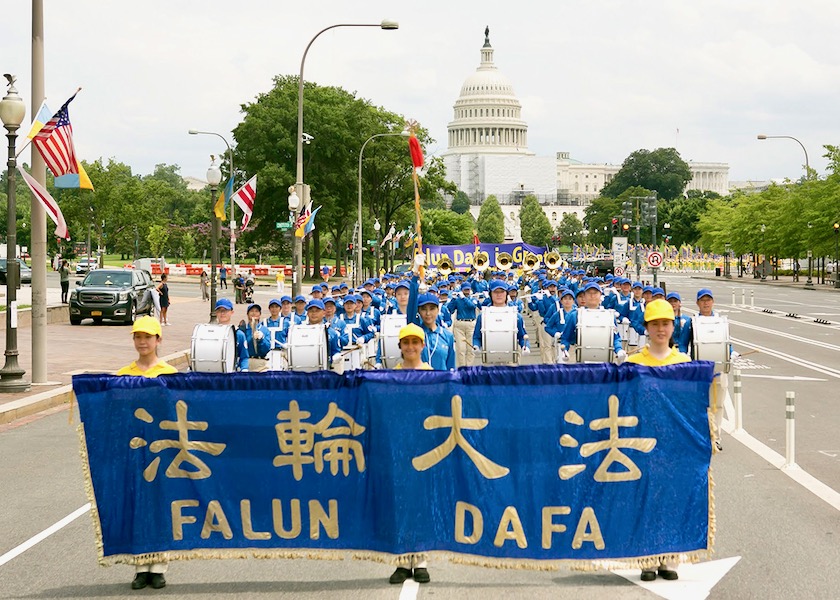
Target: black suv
[118,294]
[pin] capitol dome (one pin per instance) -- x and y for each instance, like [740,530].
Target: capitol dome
[488,116]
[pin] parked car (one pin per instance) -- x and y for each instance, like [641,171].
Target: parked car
[83,266]
[25,272]
[116,294]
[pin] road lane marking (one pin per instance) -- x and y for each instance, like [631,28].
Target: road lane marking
[803,478]
[409,589]
[783,377]
[788,336]
[695,583]
[18,550]
[792,359]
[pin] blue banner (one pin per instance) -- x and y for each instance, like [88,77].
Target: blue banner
[496,465]
[462,256]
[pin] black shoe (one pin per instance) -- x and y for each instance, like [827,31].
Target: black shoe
[140,581]
[648,575]
[718,445]
[668,574]
[157,580]
[400,575]
[421,575]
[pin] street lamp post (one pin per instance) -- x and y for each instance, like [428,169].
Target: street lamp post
[297,248]
[809,285]
[377,227]
[360,237]
[12,112]
[761,136]
[836,254]
[214,176]
[726,268]
[763,254]
[232,219]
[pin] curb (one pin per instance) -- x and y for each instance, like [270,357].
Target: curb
[30,405]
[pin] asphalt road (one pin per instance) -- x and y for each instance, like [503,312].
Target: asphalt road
[786,536]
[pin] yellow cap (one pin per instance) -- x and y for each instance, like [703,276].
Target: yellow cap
[148,325]
[658,309]
[412,330]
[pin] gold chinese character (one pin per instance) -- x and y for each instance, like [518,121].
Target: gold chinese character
[183,444]
[614,455]
[486,467]
[296,439]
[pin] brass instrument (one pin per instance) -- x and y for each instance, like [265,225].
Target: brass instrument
[531,261]
[444,265]
[504,261]
[481,262]
[552,260]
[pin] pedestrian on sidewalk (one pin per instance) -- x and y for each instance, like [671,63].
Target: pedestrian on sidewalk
[163,290]
[147,337]
[280,278]
[223,277]
[204,283]
[64,278]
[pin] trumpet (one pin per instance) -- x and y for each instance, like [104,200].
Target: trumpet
[531,261]
[444,265]
[504,261]
[552,260]
[481,262]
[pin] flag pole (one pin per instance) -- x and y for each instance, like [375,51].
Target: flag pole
[417,162]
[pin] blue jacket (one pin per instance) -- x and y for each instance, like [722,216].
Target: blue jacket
[257,348]
[358,328]
[464,307]
[682,333]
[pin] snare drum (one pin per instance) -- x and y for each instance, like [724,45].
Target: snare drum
[710,336]
[389,340]
[277,360]
[595,335]
[498,335]
[307,349]
[213,348]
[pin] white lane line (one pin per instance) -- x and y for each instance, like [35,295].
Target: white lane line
[409,589]
[784,377]
[809,482]
[17,551]
[791,359]
[787,336]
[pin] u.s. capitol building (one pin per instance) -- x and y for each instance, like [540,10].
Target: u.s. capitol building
[488,155]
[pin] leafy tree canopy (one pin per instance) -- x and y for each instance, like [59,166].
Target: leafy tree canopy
[491,222]
[661,170]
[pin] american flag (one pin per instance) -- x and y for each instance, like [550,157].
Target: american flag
[245,197]
[55,142]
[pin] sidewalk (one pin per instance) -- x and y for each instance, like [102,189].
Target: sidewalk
[783,281]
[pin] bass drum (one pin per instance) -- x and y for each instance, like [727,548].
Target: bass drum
[498,335]
[389,341]
[307,349]
[595,332]
[710,341]
[213,348]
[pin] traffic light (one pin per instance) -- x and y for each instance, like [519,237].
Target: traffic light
[649,210]
[350,248]
[615,226]
[627,211]
[625,228]
[837,228]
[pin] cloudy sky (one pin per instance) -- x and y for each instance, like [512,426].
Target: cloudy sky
[596,78]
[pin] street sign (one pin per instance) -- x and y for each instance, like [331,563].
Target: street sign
[372,242]
[619,245]
[619,271]
[283,225]
[654,259]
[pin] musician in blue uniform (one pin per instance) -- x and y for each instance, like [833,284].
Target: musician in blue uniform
[557,323]
[569,337]
[358,328]
[224,316]
[299,316]
[498,297]
[257,338]
[682,323]
[464,308]
[369,310]
[335,340]
[513,298]
[277,320]
[445,315]
[423,310]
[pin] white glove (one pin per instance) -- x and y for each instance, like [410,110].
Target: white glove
[377,366]
[734,355]
[526,350]
[419,260]
[258,335]
[564,356]
[625,321]
[557,336]
[243,370]
[336,357]
[477,348]
[620,357]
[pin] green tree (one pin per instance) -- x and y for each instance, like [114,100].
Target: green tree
[461,203]
[570,230]
[444,227]
[536,230]
[491,222]
[158,237]
[661,170]
[683,214]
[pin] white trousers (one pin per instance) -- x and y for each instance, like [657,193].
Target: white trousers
[463,333]
[152,568]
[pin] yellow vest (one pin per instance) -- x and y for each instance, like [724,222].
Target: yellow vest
[161,368]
